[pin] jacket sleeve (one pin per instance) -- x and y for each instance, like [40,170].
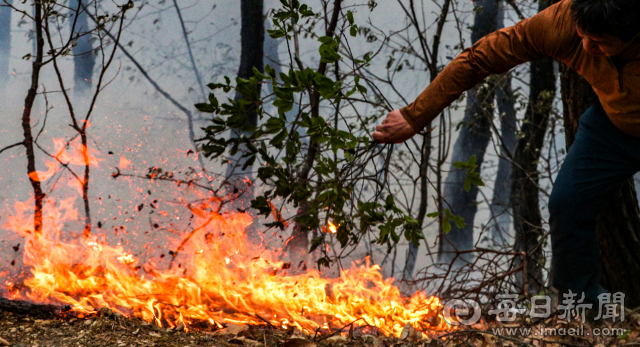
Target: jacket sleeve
[548,33]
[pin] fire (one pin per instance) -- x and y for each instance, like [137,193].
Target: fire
[45,175]
[332,228]
[66,153]
[223,278]
[74,153]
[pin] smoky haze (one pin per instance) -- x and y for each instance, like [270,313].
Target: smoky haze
[134,127]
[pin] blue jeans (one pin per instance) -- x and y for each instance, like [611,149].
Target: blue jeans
[600,159]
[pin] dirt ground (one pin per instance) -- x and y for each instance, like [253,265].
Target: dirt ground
[108,329]
[116,330]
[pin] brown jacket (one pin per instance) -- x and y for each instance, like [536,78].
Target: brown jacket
[551,32]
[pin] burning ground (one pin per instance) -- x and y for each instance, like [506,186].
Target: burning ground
[40,326]
[116,330]
[220,280]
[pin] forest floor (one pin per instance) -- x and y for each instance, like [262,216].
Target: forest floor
[108,329]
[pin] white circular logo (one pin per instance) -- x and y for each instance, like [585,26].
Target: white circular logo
[459,311]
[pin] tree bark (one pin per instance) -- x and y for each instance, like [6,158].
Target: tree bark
[5,42]
[26,122]
[618,225]
[500,202]
[83,57]
[251,55]
[473,139]
[526,213]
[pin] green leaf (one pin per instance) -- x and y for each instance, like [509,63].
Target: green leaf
[324,261]
[389,202]
[460,165]
[350,17]
[305,11]
[459,221]
[315,243]
[204,107]
[259,74]
[325,39]
[476,180]
[472,160]
[261,204]
[394,236]
[354,31]
[446,226]
[249,162]
[467,185]
[625,334]
[276,33]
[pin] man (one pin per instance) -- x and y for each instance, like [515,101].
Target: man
[599,40]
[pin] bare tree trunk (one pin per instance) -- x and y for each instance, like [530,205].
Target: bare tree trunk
[5,42]
[252,55]
[473,139]
[618,225]
[83,56]
[500,209]
[26,122]
[525,191]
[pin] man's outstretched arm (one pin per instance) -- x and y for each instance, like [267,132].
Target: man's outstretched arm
[549,33]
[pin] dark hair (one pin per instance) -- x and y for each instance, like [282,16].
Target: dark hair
[618,18]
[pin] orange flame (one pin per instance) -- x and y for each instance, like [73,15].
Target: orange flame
[223,279]
[73,153]
[42,176]
[77,154]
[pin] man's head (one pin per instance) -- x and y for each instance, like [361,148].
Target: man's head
[607,27]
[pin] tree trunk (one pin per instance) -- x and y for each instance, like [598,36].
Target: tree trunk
[618,225]
[473,138]
[526,212]
[251,55]
[5,42]
[500,209]
[38,194]
[83,58]
[500,202]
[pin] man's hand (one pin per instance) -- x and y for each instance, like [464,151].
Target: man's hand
[394,129]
